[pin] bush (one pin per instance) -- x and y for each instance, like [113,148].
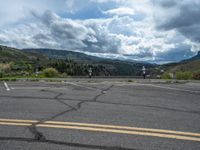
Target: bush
[63,75]
[50,72]
[196,75]
[130,80]
[183,75]
[4,68]
[166,76]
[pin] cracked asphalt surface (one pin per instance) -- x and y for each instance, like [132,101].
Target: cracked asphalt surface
[145,105]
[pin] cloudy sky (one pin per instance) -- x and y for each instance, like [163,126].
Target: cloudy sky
[144,30]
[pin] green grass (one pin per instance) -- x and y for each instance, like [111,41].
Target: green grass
[8,79]
[191,66]
[183,75]
[166,76]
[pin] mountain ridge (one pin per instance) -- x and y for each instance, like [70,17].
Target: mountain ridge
[192,64]
[113,66]
[196,57]
[69,61]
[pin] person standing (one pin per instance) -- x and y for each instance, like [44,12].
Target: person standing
[144,72]
[90,72]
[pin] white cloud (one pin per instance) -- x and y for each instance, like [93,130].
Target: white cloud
[106,1]
[114,36]
[120,11]
[127,29]
[14,11]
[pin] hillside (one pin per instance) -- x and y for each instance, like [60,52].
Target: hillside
[77,64]
[191,64]
[111,67]
[8,54]
[68,62]
[64,54]
[196,57]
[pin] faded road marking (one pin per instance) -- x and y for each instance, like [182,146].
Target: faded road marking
[6,86]
[165,87]
[86,87]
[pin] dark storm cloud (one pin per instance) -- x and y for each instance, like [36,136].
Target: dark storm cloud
[175,54]
[192,32]
[167,3]
[105,42]
[183,16]
[65,32]
[75,35]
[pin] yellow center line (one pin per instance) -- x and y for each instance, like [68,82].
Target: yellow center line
[105,128]
[124,127]
[17,120]
[14,124]
[122,132]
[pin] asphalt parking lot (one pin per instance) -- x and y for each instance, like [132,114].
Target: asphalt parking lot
[110,115]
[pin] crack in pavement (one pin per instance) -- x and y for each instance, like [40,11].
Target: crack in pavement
[38,135]
[104,91]
[70,144]
[33,129]
[61,100]
[41,98]
[57,97]
[150,106]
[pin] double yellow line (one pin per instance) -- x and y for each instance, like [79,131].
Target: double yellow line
[106,128]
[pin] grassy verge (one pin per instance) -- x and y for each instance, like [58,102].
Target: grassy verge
[8,79]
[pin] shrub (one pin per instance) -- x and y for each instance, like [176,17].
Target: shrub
[166,76]
[196,75]
[50,72]
[130,80]
[183,75]
[4,68]
[63,75]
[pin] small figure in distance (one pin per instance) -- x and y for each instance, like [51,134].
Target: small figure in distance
[144,72]
[90,72]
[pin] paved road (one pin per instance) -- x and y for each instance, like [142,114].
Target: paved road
[79,115]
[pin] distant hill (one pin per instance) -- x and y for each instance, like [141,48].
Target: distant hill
[64,54]
[103,66]
[73,63]
[196,57]
[113,67]
[191,64]
[8,54]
